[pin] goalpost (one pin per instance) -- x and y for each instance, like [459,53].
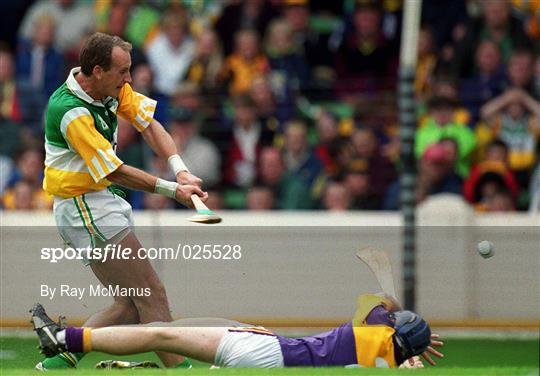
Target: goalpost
[407,121]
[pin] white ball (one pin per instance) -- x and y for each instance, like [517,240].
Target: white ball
[485,248]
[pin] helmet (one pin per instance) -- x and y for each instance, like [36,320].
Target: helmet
[413,335]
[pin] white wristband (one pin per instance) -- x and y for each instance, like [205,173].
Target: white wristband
[176,164]
[166,188]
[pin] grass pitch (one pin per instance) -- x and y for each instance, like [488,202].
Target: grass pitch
[462,357]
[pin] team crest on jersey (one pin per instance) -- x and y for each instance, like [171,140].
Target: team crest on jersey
[102,124]
[113,106]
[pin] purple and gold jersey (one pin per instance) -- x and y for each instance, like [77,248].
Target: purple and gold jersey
[366,340]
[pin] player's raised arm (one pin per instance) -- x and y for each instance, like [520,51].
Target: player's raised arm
[139,111]
[163,145]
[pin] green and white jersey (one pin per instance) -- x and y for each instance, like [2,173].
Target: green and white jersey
[81,134]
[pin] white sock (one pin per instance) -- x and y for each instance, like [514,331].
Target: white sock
[61,336]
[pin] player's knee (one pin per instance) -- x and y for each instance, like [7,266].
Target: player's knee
[163,334]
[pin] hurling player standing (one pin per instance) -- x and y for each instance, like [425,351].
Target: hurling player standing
[80,140]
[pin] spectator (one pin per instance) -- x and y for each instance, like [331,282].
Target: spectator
[497,25]
[290,191]
[267,109]
[170,53]
[199,153]
[39,69]
[426,64]
[135,21]
[520,71]
[501,202]
[380,169]
[436,175]
[290,71]
[497,151]
[260,197]
[74,19]
[38,64]
[115,18]
[447,18]
[23,196]
[451,147]
[143,79]
[448,88]
[490,176]
[440,124]
[336,197]
[487,186]
[246,63]
[327,132]
[187,95]
[272,109]
[9,97]
[488,81]
[358,184]
[366,61]
[314,44]
[470,67]
[207,111]
[207,62]
[340,152]
[254,15]
[303,168]
[247,138]
[29,167]
[271,167]
[528,11]
[118,19]
[514,117]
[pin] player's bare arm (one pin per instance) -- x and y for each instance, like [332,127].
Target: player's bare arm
[163,145]
[134,178]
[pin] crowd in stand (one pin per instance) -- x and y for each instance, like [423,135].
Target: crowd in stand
[291,104]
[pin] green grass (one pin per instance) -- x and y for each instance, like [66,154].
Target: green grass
[462,357]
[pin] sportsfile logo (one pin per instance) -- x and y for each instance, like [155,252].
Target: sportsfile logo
[227,252]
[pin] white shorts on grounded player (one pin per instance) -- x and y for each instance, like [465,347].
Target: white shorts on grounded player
[249,350]
[92,220]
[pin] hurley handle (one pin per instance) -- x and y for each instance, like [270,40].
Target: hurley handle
[199,205]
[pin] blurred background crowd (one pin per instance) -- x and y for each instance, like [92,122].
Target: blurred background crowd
[292,104]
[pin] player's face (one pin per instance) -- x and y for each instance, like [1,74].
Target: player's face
[118,75]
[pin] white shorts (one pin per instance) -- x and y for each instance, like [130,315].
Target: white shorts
[249,350]
[88,220]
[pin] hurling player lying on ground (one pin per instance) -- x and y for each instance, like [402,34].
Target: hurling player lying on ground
[379,335]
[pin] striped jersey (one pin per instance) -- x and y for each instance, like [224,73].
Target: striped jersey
[81,134]
[367,341]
